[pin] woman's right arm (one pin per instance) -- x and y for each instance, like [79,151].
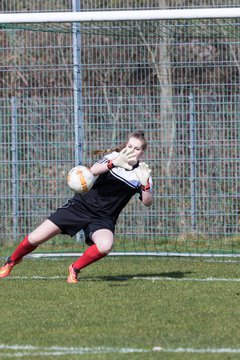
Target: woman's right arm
[98,169]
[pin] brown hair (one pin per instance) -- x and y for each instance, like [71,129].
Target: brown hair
[135,134]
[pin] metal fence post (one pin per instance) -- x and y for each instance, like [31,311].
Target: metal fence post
[14,181]
[192,148]
[77,98]
[77,95]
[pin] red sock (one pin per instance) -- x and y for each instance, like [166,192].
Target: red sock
[23,248]
[91,255]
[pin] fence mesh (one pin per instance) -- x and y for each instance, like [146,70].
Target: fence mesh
[67,90]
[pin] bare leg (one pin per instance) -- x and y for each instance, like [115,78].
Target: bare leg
[43,232]
[103,239]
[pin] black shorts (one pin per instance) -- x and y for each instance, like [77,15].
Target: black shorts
[72,217]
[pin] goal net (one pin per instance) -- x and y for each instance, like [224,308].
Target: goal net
[74,83]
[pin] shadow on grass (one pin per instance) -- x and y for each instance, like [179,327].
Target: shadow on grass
[174,275]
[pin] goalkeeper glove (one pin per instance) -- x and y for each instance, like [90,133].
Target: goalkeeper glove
[123,159]
[143,173]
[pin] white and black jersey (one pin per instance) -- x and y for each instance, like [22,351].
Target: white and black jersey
[111,190]
[100,207]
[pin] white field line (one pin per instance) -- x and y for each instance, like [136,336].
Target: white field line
[28,350]
[203,351]
[13,351]
[148,278]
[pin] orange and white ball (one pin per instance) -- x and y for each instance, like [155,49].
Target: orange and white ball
[80,179]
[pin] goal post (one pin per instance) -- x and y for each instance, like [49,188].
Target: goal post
[82,81]
[136,15]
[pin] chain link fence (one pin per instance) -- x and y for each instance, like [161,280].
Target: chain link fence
[68,90]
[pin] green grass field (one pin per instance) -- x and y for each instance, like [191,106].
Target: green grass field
[122,308]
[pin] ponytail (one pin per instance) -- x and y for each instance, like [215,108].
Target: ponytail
[108,151]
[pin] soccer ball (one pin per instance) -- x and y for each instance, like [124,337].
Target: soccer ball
[80,179]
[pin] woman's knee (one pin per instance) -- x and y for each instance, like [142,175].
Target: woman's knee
[103,239]
[104,247]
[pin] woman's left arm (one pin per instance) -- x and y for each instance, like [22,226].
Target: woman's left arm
[143,174]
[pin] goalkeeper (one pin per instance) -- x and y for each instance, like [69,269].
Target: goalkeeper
[120,175]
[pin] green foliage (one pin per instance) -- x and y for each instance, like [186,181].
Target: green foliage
[115,306]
